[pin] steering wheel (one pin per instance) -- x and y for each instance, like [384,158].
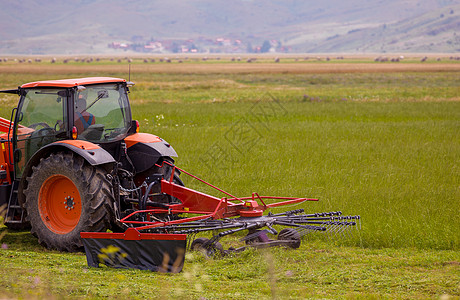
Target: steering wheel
[33,126]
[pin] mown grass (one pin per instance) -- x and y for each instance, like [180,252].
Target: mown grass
[316,270]
[385,146]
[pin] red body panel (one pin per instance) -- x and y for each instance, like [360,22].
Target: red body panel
[4,125]
[132,234]
[5,150]
[85,145]
[66,83]
[141,138]
[4,162]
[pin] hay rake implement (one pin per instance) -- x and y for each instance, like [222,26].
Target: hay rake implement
[158,234]
[74,167]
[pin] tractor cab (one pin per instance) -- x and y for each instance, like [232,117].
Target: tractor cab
[92,109]
[101,112]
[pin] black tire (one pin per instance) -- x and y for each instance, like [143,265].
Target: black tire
[290,234]
[253,238]
[210,250]
[61,182]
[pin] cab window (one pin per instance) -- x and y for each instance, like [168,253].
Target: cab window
[40,118]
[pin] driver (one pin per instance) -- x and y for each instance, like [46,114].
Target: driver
[82,118]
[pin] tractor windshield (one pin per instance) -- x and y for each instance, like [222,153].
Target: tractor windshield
[101,112]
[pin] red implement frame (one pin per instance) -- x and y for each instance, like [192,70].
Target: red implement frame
[164,251]
[207,206]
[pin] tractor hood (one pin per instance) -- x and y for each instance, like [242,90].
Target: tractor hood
[145,149]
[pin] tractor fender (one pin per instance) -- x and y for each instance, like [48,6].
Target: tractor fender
[92,153]
[146,149]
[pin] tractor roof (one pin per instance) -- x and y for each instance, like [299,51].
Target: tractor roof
[65,83]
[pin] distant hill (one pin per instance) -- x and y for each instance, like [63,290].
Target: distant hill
[88,26]
[435,31]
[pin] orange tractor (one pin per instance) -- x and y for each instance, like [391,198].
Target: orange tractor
[75,169]
[68,147]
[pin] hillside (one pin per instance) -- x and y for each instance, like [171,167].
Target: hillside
[436,31]
[88,26]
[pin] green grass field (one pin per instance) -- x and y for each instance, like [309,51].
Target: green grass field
[395,164]
[383,145]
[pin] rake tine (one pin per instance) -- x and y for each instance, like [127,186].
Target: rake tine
[330,226]
[328,229]
[350,232]
[349,228]
[346,230]
[343,228]
[333,229]
[336,228]
[302,232]
[305,231]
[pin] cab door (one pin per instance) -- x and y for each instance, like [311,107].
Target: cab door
[40,120]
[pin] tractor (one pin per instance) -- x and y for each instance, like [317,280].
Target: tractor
[69,149]
[75,169]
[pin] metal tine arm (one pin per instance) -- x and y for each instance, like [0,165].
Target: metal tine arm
[323,214]
[305,231]
[347,227]
[195,229]
[332,226]
[316,228]
[300,219]
[287,213]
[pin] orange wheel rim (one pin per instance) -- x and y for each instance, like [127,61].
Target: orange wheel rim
[59,203]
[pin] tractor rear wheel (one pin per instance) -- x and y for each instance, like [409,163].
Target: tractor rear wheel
[65,196]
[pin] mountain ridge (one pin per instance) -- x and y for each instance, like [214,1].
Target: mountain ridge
[88,26]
